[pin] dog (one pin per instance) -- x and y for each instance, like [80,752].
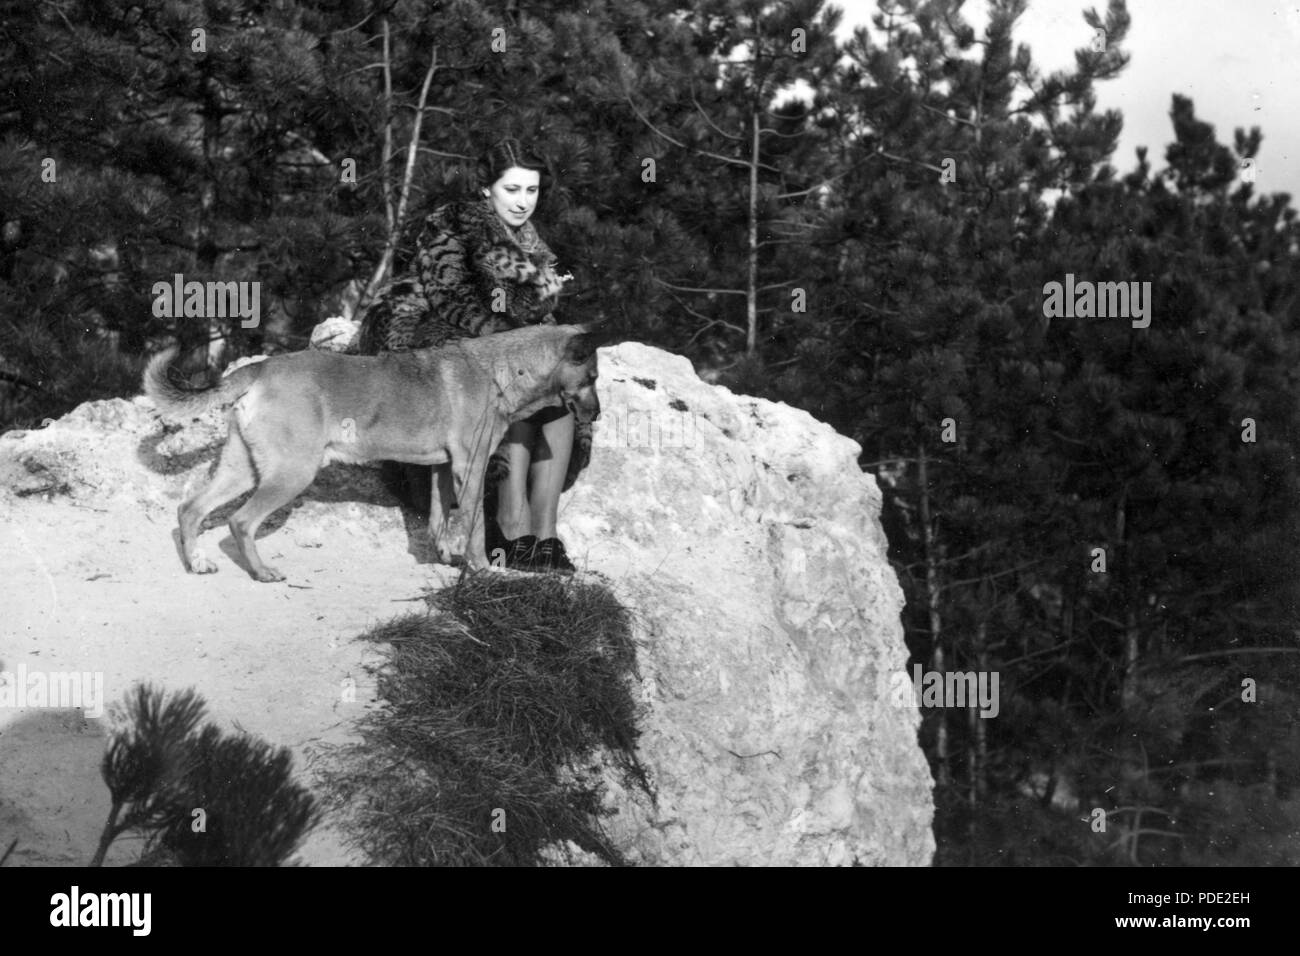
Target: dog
[448,407]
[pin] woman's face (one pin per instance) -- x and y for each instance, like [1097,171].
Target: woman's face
[514,195]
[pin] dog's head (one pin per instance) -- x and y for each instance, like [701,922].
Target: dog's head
[577,372]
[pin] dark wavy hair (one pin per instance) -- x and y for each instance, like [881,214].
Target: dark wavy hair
[506,154]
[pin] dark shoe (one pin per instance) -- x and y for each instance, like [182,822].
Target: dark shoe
[550,555]
[520,551]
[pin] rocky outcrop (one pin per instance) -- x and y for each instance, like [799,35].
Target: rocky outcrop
[749,540]
[741,532]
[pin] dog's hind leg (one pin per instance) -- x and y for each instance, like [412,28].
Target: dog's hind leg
[282,481]
[232,477]
[441,498]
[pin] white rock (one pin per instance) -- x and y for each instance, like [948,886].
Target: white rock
[335,334]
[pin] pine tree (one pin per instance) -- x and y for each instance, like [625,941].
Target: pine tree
[1195,512]
[968,182]
[143,142]
[759,154]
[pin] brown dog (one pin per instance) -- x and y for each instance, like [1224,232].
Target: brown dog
[449,407]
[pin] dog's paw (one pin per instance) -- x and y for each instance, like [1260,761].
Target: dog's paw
[443,539]
[199,564]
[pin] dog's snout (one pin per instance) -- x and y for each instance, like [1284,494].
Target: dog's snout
[584,404]
[589,393]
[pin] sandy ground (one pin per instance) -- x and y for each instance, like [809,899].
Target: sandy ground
[94,584]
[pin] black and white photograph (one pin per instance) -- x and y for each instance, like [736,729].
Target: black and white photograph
[640,433]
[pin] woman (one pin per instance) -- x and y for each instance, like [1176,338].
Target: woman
[474,268]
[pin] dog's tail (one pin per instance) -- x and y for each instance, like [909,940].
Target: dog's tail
[173,398]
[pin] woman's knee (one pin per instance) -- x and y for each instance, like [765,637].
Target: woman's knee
[517,448]
[520,433]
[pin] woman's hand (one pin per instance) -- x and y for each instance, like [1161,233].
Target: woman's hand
[548,283]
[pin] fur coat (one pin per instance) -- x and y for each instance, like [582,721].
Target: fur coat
[459,272]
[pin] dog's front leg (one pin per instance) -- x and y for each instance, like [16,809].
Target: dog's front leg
[469,492]
[440,504]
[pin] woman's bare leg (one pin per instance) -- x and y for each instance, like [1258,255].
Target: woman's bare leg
[548,471]
[512,493]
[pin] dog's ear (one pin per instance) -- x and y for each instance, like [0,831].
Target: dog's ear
[594,335]
[579,348]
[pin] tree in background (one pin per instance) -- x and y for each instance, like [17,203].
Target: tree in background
[1178,449]
[949,141]
[290,145]
[760,156]
[140,142]
[1017,449]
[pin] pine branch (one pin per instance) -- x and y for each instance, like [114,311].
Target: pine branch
[709,323]
[903,159]
[712,323]
[1233,653]
[359,24]
[438,152]
[951,119]
[708,119]
[682,288]
[729,160]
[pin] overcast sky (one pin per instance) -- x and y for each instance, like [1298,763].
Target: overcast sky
[1239,61]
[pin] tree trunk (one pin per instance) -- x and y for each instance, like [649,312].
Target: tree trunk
[751,284]
[943,775]
[979,747]
[1129,681]
[200,339]
[397,218]
[386,170]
